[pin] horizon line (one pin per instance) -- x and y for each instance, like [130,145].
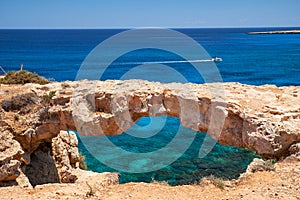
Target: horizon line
[99,28]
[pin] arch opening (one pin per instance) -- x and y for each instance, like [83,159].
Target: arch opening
[226,162]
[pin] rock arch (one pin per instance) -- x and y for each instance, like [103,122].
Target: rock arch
[265,119]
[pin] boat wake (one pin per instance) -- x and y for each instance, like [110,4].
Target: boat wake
[168,62]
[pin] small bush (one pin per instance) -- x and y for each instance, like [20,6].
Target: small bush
[82,164]
[262,165]
[218,182]
[49,96]
[23,77]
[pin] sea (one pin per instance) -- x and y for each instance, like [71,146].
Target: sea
[249,59]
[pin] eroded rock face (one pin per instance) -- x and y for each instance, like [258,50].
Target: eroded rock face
[265,119]
[66,155]
[10,156]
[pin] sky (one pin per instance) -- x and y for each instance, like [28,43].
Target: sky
[142,13]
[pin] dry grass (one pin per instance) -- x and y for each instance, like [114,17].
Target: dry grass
[264,165]
[165,183]
[217,182]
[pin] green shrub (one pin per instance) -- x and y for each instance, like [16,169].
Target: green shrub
[47,97]
[82,164]
[23,77]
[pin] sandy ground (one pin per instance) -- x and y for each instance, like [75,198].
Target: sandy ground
[283,183]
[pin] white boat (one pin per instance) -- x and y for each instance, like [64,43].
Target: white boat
[217,59]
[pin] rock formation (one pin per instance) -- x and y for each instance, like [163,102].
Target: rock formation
[265,119]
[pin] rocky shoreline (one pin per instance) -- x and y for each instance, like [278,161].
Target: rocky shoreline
[36,149]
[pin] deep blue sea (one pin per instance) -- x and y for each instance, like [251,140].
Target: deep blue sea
[249,59]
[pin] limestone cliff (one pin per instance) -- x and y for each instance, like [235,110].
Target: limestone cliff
[265,119]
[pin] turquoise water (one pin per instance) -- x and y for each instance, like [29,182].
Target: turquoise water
[223,161]
[249,59]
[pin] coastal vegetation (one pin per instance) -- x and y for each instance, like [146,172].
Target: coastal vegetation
[262,165]
[23,77]
[218,182]
[47,97]
[82,163]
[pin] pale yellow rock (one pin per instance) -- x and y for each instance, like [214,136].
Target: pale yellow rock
[265,119]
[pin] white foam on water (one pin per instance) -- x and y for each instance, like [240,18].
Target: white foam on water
[166,62]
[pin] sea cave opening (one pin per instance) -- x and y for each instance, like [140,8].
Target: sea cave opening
[151,134]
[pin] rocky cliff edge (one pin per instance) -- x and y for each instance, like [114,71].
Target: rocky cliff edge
[35,149]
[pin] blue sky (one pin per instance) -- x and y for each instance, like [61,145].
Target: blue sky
[142,13]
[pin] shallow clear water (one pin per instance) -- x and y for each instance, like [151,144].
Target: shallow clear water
[223,161]
[249,59]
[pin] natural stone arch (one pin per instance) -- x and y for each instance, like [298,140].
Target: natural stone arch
[265,119]
[256,117]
